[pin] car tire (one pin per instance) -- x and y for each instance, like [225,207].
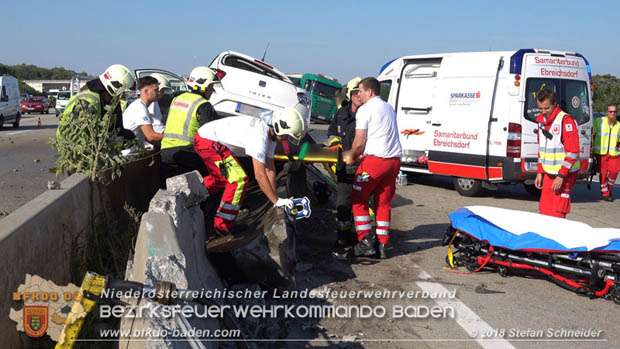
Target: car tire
[532,190]
[467,186]
[1,122]
[16,123]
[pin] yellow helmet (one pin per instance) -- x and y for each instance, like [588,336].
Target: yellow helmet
[352,85]
[117,79]
[201,77]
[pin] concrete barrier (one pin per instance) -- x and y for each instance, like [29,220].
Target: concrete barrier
[36,238]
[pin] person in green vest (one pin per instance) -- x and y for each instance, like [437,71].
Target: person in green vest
[114,81]
[606,131]
[187,113]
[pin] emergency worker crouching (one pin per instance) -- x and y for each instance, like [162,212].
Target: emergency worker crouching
[187,113]
[220,142]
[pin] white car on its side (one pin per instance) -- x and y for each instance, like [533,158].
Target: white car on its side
[248,87]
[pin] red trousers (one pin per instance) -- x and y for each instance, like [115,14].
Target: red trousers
[608,167]
[375,176]
[556,204]
[225,174]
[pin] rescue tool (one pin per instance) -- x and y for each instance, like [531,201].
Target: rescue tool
[301,208]
[571,254]
[93,287]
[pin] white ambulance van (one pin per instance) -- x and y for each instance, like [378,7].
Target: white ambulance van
[472,115]
[9,101]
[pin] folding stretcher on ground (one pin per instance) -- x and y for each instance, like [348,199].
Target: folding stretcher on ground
[572,254]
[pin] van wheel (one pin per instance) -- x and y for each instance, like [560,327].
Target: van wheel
[467,186]
[1,122]
[532,190]
[16,123]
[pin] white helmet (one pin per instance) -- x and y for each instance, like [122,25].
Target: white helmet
[201,77]
[117,79]
[288,121]
[352,85]
[162,81]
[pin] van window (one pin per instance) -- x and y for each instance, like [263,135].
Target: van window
[386,86]
[572,97]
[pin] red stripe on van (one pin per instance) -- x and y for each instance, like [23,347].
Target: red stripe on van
[459,170]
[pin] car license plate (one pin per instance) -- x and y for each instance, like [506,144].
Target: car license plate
[531,166]
[250,110]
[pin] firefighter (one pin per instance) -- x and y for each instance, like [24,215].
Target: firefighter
[377,149]
[558,155]
[341,132]
[218,144]
[113,82]
[188,112]
[606,133]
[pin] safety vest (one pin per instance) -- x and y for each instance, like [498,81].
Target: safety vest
[551,151]
[182,123]
[605,137]
[88,96]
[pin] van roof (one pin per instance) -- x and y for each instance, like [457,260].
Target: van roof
[516,57]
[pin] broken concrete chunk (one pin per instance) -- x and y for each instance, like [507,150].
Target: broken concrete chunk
[191,185]
[167,202]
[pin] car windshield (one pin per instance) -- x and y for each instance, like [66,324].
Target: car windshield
[34,100]
[324,90]
[64,96]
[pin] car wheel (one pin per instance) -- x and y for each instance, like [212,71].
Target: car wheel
[16,123]
[467,186]
[1,122]
[532,190]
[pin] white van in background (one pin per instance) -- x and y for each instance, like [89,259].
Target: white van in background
[472,115]
[9,101]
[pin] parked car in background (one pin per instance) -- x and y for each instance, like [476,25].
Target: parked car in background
[35,104]
[61,102]
[23,96]
[9,101]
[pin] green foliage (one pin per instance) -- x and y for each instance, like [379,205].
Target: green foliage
[606,91]
[33,72]
[88,144]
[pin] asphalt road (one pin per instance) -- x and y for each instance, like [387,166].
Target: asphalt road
[25,159]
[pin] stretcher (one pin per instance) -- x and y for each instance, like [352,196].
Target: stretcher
[571,254]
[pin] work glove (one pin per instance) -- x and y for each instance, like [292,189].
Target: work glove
[288,203]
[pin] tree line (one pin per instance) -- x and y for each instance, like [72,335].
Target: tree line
[606,91]
[32,72]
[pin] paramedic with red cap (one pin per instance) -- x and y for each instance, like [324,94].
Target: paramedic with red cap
[219,143]
[377,146]
[558,156]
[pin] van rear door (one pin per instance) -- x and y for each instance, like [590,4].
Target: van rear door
[460,123]
[568,77]
[414,104]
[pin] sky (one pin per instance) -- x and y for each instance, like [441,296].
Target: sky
[342,38]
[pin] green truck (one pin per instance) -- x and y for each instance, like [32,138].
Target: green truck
[323,89]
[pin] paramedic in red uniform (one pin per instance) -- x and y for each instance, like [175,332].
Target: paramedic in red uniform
[219,142]
[558,156]
[377,146]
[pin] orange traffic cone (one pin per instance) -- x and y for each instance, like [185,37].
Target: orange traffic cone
[39,123]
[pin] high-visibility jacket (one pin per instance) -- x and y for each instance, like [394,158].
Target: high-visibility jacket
[606,137]
[90,97]
[182,123]
[551,154]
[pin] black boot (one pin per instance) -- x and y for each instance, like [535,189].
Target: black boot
[366,247]
[381,248]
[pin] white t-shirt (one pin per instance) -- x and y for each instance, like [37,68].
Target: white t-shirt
[155,113]
[243,135]
[136,115]
[379,118]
